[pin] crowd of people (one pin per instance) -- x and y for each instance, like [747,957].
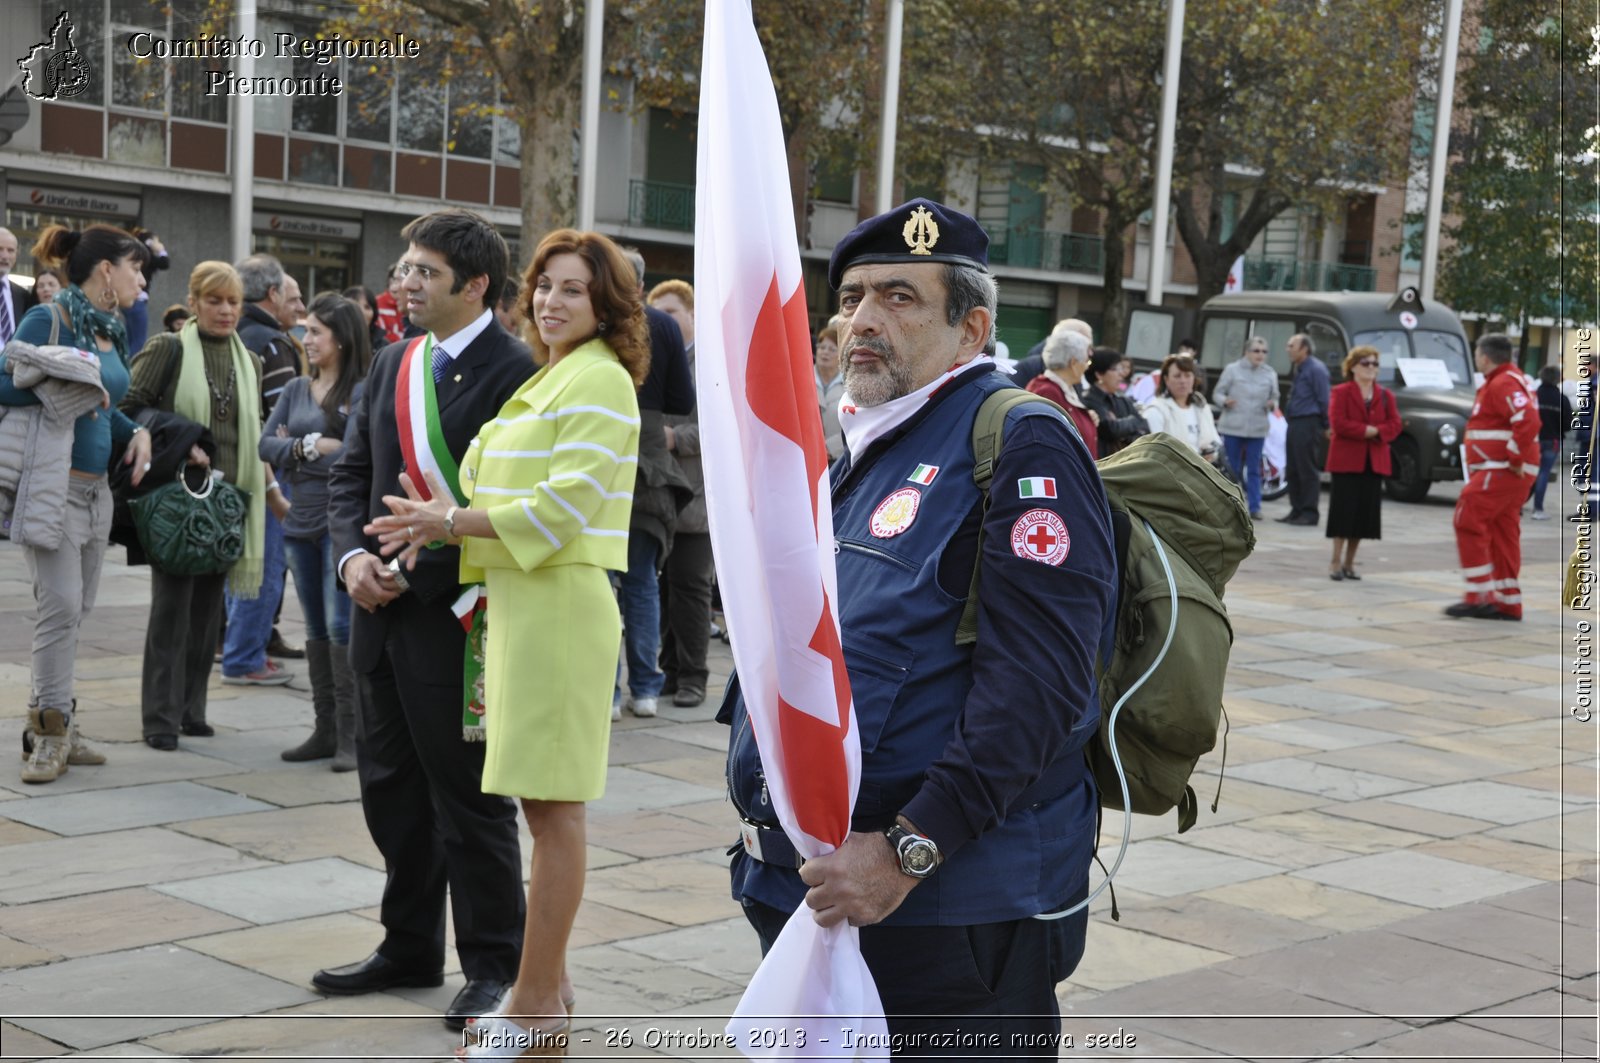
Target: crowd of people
[486,485]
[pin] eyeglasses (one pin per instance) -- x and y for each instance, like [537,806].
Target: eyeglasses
[1367,364]
[428,273]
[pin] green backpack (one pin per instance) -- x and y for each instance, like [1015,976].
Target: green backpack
[1171,511]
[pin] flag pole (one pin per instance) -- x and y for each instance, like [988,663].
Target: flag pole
[1441,151]
[891,104]
[589,145]
[1156,287]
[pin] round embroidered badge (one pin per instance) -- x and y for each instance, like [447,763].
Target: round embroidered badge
[895,513]
[1040,535]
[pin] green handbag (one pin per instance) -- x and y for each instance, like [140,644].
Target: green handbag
[191,533]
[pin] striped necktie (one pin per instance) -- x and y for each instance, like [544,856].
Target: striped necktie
[6,327]
[441,362]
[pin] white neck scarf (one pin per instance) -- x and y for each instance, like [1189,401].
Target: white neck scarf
[865,425]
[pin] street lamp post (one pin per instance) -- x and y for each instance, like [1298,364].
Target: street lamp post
[891,104]
[244,140]
[1441,150]
[1156,288]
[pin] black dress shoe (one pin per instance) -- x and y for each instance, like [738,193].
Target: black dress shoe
[1288,519]
[372,974]
[1305,520]
[1483,611]
[197,730]
[478,997]
[165,743]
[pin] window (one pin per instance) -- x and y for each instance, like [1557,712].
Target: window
[1223,341]
[471,127]
[1327,343]
[135,82]
[420,118]
[367,108]
[508,140]
[1393,346]
[315,114]
[836,182]
[141,141]
[189,99]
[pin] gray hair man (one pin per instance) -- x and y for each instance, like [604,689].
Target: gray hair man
[1307,411]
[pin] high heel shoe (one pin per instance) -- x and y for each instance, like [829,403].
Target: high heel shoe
[570,1003]
[1350,573]
[500,1038]
[1335,574]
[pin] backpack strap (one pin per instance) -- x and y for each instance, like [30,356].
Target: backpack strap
[988,436]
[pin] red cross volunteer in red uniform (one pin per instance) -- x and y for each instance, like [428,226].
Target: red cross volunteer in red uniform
[1502,456]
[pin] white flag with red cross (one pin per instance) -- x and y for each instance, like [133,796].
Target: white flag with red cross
[772,530]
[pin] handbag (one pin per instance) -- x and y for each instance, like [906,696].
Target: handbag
[191,533]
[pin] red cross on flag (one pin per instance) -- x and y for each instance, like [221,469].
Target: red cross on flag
[772,527]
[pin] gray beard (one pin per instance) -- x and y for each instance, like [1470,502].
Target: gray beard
[890,379]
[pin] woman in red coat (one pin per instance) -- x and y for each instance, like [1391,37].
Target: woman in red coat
[1364,422]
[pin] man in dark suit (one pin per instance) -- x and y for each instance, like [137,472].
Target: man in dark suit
[420,781]
[14,298]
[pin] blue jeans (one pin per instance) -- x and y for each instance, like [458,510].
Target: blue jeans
[244,644]
[1244,455]
[641,616]
[326,607]
[1549,450]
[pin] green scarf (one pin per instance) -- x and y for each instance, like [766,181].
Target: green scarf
[192,399]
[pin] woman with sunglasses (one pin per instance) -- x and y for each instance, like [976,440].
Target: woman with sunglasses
[1364,422]
[1247,393]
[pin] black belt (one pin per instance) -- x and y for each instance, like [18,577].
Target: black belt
[771,845]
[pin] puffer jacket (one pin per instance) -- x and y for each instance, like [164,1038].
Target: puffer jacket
[1254,389]
[36,441]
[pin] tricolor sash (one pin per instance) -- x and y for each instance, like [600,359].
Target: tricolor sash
[423,447]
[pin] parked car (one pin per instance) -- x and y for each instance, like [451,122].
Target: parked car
[1432,415]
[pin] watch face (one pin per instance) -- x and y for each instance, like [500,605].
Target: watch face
[918,858]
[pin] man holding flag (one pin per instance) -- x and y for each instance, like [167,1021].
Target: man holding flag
[975,810]
[421,780]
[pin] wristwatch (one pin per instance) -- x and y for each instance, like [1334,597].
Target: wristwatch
[450,523]
[918,855]
[398,571]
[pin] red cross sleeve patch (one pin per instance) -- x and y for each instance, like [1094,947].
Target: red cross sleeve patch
[1040,535]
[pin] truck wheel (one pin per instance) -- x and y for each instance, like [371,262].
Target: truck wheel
[1408,484]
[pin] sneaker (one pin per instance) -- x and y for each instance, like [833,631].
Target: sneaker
[79,752]
[1540,514]
[273,675]
[47,762]
[644,707]
[616,711]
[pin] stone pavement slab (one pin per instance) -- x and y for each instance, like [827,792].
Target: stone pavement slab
[1383,812]
[189,987]
[64,867]
[1387,974]
[1452,1040]
[375,1026]
[1492,801]
[1553,1021]
[1324,780]
[1513,937]
[1166,869]
[1118,955]
[1312,903]
[629,789]
[1317,734]
[109,922]
[134,806]
[288,835]
[283,892]
[1417,879]
[1573,901]
[727,949]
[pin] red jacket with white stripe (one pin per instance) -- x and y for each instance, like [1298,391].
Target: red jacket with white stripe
[1503,431]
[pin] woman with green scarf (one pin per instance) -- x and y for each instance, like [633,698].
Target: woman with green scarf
[204,373]
[103,267]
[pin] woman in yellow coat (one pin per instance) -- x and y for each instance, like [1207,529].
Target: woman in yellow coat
[548,486]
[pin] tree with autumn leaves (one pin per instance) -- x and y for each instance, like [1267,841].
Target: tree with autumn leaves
[1520,195]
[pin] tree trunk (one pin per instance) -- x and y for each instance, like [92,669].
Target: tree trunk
[1116,296]
[549,181]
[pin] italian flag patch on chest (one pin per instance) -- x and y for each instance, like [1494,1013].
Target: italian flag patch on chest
[1037,487]
[924,474]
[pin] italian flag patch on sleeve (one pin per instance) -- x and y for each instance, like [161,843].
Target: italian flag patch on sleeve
[1037,487]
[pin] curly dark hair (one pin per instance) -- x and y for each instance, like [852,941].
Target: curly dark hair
[613,293]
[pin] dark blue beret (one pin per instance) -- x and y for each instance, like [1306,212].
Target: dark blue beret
[918,231]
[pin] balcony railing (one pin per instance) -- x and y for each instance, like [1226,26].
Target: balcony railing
[1274,274]
[661,205]
[1043,249]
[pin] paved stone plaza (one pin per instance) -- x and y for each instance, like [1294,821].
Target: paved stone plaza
[1402,864]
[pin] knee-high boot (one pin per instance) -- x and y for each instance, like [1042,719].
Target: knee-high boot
[345,717]
[321,743]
